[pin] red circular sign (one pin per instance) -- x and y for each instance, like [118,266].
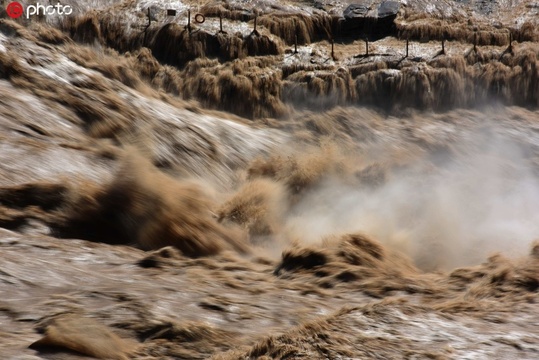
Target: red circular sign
[14,10]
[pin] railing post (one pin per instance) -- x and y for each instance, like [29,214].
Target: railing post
[295,37]
[407,41]
[443,45]
[147,26]
[255,31]
[366,46]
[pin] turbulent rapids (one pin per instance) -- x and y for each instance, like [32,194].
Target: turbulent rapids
[270,180]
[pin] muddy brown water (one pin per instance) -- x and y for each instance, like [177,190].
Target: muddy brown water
[136,223]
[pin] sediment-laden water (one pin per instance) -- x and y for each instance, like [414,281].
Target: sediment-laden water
[176,194]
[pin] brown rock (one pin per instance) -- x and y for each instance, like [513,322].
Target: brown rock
[85,336]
